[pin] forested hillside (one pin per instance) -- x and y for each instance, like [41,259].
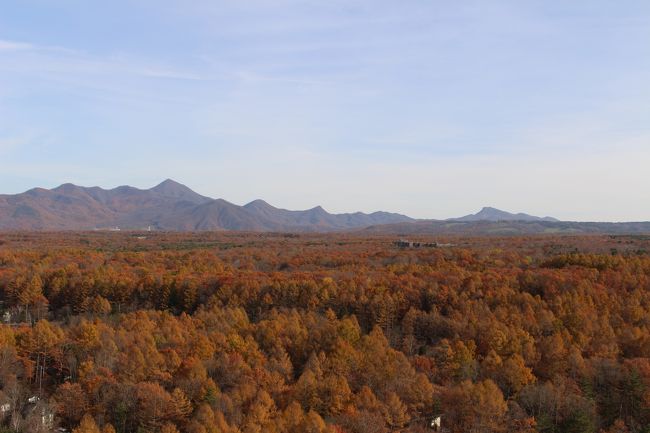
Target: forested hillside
[229,332]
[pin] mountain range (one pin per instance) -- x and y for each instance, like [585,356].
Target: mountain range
[167,206]
[172,206]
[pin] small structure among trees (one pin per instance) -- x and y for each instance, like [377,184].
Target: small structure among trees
[436,423]
[404,243]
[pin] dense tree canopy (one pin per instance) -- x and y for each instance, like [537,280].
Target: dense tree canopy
[344,334]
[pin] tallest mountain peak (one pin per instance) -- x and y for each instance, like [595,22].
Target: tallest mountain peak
[169,183]
[171,188]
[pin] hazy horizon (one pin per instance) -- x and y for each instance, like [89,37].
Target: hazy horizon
[430,109]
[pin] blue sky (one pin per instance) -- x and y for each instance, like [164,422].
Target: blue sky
[430,108]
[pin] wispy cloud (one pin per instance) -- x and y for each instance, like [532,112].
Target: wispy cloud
[9,143]
[169,73]
[134,80]
[14,46]
[64,60]
[25,140]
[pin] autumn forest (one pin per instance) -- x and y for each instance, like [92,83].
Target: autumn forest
[339,333]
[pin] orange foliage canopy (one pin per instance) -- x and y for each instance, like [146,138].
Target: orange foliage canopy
[312,333]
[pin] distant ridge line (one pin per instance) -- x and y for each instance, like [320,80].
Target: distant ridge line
[172,206]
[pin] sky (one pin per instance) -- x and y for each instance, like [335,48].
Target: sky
[430,108]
